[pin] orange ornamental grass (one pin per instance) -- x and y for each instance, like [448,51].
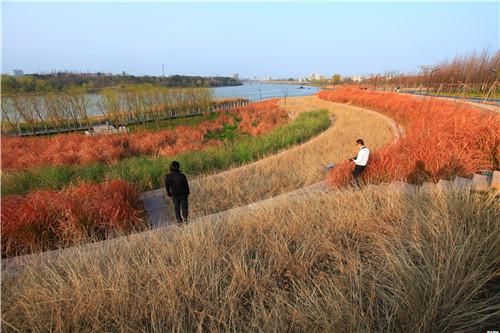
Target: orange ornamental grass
[74,149]
[443,139]
[48,219]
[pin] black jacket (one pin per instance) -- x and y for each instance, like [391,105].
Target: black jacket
[176,184]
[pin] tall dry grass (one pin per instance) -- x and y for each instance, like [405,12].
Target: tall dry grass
[443,139]
[342,262]
[296,167]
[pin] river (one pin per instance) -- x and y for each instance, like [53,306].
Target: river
[261,91]
[253,91]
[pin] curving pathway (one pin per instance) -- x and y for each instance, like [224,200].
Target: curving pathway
[288,170]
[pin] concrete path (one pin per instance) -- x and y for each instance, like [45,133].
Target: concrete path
[155,203]
[482,106]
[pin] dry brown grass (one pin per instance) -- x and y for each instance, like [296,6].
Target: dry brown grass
[343,262]
[296,167]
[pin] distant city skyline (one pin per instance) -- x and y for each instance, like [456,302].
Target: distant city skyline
[251,39]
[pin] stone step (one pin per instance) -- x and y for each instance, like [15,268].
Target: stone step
[462,183]
[444,185]
[480,183]
[495,181]
[402,187]
[428,187]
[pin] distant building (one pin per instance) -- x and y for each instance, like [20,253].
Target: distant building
[18,72]
[357,78]
[236,76]
[315,77]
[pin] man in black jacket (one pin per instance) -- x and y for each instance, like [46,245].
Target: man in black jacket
[178,189]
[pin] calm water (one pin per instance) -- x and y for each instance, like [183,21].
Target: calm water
[256,91]
[251,91]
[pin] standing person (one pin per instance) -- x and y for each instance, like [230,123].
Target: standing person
[178,189]
[360,161]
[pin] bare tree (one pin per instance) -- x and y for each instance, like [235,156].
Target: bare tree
[9,115]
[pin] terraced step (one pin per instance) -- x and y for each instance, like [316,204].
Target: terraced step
[480,183]
[495,181]
[428,187]
[444,185]
[402,187]
[462,183]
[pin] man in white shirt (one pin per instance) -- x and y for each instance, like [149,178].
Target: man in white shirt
[360,161]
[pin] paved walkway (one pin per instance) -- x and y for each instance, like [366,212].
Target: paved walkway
[155,203]
[482,106]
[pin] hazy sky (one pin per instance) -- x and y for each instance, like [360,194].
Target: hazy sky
[258,39]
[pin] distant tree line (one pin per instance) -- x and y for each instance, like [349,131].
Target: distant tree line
[94,82]
[474,73]
[56,112]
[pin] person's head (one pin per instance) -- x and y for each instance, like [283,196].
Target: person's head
[360,143]
[175,166]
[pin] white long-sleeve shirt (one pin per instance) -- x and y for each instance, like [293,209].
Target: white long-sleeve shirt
[363,155]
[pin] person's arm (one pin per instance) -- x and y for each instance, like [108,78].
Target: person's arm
[186,184]
[167,186]
[354,158]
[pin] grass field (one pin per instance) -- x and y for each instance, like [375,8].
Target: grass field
[344,262]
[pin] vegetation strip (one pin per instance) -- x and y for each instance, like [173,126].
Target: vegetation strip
[77,149]
[147,171]
[50,219]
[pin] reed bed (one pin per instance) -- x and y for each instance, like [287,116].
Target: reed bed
[48,219]
[443,139]
[78,149]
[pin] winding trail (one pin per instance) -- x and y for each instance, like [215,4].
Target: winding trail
[288,170]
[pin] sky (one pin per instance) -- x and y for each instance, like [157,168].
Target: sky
[253,39]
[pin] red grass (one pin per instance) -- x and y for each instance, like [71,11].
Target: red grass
[48,219]
[73,149]
[450,139]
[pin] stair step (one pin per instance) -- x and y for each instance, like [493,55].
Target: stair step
[428,187]
[495,181]
[444,185]
[462,183]
[480,183]
[402,187]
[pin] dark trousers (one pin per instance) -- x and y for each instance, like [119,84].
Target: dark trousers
[181,203]
[356,174]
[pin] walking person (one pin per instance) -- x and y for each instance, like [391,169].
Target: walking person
[360,162]
[178,189]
